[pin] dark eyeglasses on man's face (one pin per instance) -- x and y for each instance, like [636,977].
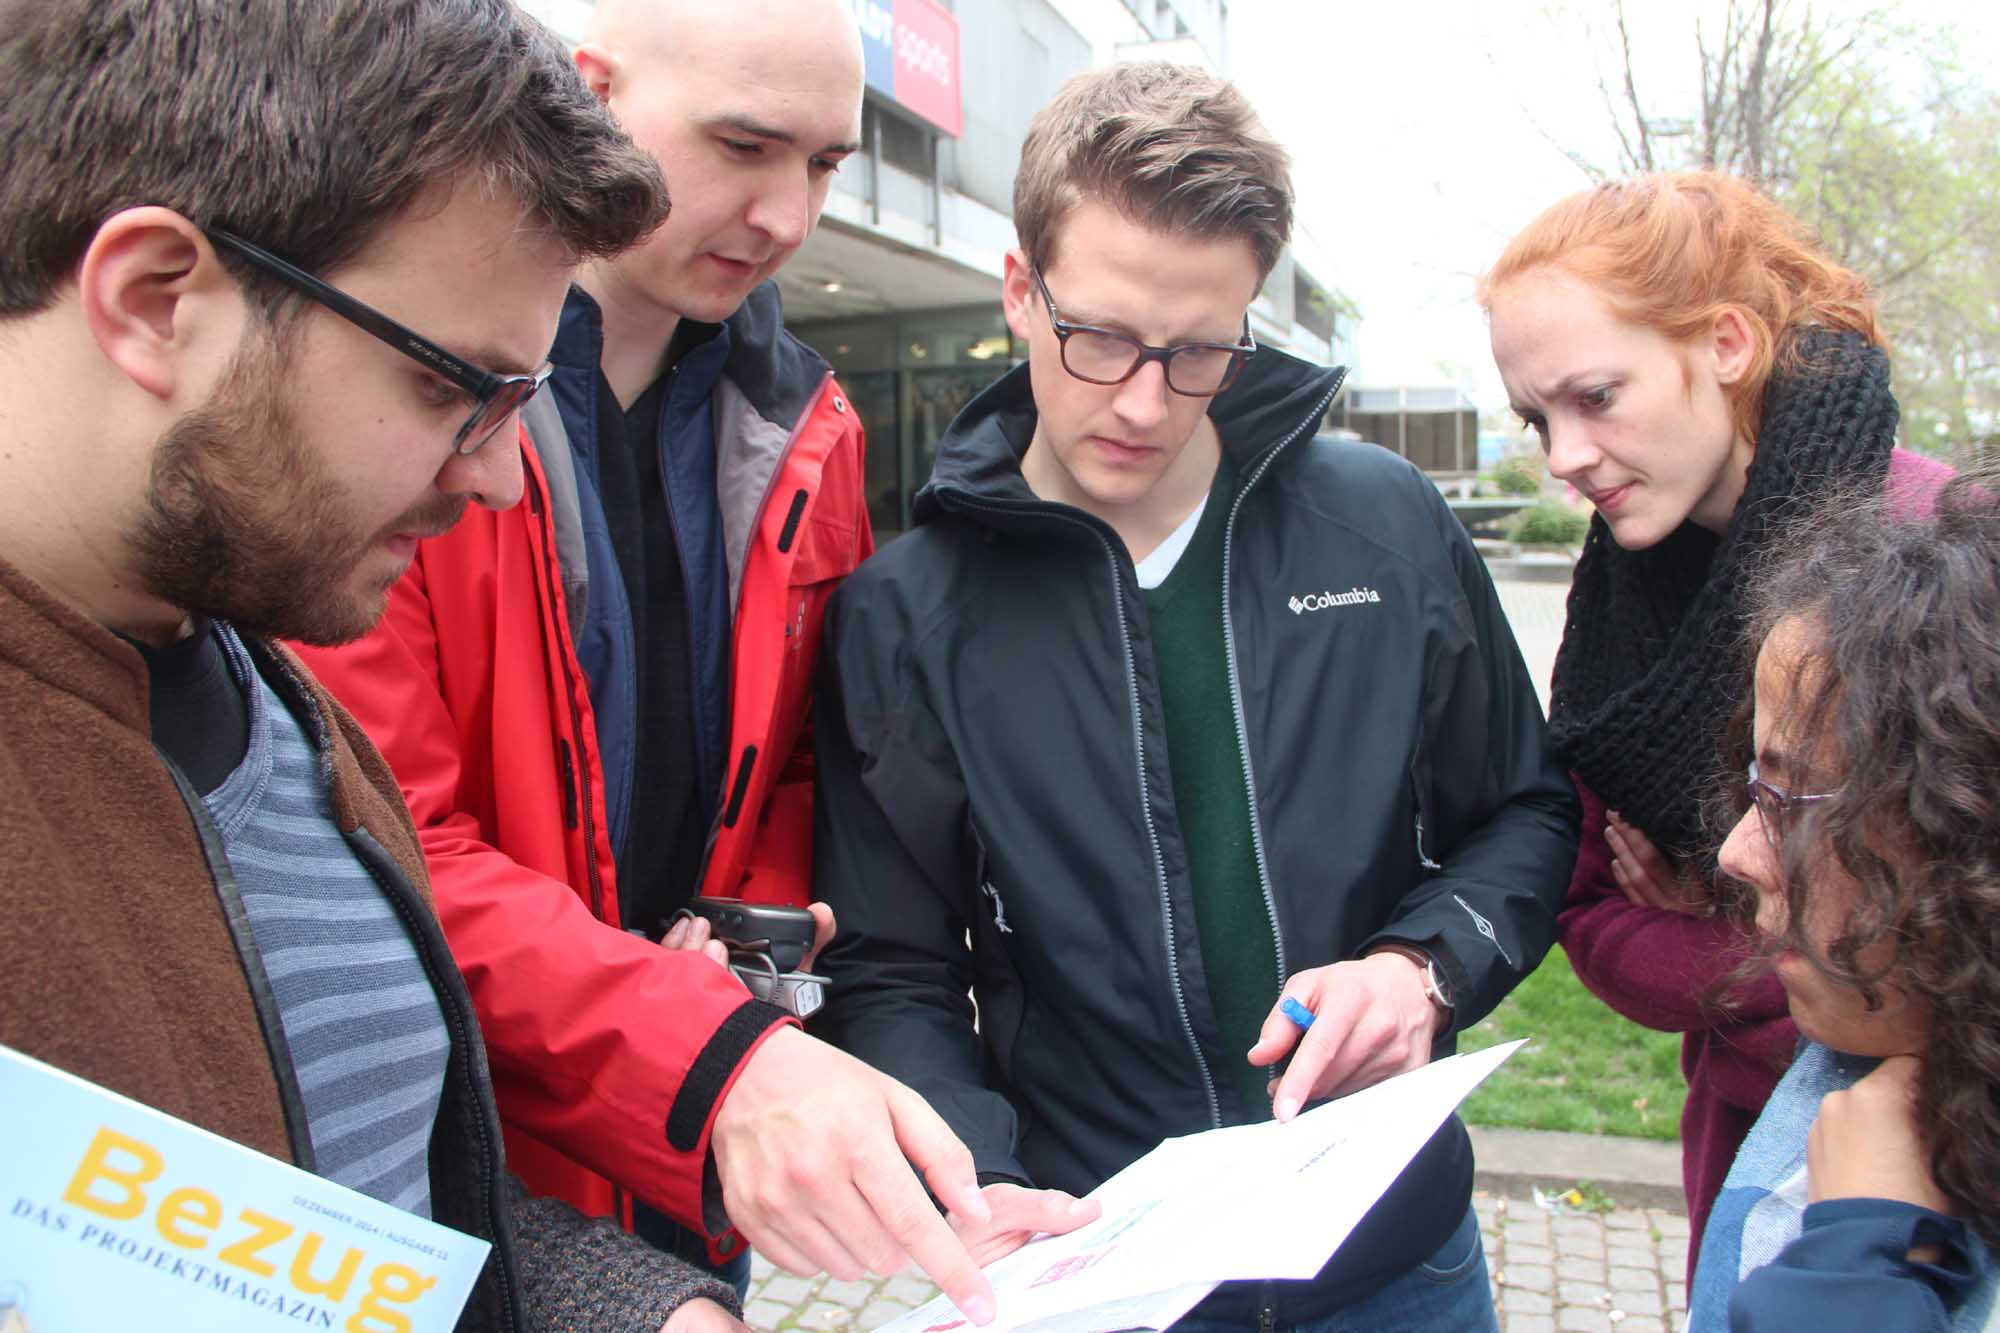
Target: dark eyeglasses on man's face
[1106,356]
[1775,806]
[495,398]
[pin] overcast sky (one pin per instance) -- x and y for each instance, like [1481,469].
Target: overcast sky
[1421,136]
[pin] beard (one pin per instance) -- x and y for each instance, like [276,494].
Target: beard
[243,521]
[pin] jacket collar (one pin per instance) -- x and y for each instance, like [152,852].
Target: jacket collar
[1275,399]
[776,372]
[48,638]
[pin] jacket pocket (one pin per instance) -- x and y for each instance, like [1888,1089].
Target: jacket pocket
[826,548]
[1423,816]
[824,556]
[997,987]
[990,902]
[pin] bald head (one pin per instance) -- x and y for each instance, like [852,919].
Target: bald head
[686,34]
[750,108]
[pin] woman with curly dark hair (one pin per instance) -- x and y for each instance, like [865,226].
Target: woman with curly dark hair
[1697,367]
[1868,1192]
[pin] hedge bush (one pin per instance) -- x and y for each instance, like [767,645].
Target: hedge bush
[1548,523]
[1518,474]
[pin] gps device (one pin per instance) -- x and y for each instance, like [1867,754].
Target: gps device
[766,944]
[784,933]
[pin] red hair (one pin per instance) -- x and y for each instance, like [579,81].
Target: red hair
[1671,251]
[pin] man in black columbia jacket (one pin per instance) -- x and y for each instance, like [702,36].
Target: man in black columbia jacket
[1167,709]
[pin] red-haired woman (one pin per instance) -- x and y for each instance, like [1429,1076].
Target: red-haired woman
[1697,367]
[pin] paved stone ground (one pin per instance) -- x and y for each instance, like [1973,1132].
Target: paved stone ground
[1570,1272]
[1624,1270]
[1535,611]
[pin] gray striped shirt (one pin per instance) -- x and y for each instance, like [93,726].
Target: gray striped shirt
[368,1039]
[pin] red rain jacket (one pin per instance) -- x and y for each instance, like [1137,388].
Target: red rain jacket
[610,1055]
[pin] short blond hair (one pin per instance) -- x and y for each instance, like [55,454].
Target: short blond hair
[1169,146]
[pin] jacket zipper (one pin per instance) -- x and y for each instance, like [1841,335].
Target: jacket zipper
[1235,681]
[697,722]
[1423,858]
[552,579]
[999,908]
[575,772]
[426,941]
[1145,804]
[736,769]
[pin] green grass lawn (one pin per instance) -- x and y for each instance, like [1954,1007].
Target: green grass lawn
[1587,1069]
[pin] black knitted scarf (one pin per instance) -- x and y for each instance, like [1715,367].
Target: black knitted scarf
[1652,661]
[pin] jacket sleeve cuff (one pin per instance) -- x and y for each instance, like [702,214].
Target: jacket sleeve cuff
[1860,1234]
[691,1119]
[582,1272]
[1456,978]
[1850,1269]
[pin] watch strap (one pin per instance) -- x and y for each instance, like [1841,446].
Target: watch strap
[1434,988]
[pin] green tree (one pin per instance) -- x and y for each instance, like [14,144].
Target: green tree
[1550,523]
[1906,190]
[1518,474]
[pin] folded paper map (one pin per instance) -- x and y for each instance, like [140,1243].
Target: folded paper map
[1245,1203]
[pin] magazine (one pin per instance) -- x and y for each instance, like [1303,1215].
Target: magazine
[116,1216]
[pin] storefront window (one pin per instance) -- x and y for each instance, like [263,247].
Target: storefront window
[909,374]
[873,393]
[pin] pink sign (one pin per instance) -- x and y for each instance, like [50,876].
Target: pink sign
[912,53]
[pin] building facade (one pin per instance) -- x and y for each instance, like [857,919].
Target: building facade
[899,287]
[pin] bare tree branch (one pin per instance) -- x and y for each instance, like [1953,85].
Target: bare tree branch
[1645,159]
[1755,128]
[1718,78]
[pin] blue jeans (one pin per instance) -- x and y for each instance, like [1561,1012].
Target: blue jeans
[663,1233]
[1446,1293]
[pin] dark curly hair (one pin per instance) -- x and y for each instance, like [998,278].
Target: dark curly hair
[1899,685]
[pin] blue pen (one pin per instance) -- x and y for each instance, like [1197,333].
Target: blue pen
[1302,1019]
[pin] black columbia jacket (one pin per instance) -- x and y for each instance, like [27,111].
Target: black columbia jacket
[992,760]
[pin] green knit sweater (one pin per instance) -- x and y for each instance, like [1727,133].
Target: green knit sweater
[1212,795]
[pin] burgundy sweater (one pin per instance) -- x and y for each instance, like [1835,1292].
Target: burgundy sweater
[1665,970]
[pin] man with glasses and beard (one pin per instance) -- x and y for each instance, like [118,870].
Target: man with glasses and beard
[1169,718]
[278,279]
[597,702]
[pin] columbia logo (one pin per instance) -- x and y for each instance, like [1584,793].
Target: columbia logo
[1320,601]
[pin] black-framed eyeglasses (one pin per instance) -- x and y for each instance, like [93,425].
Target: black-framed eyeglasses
[1775,806]
[495,398]
[1106,356]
